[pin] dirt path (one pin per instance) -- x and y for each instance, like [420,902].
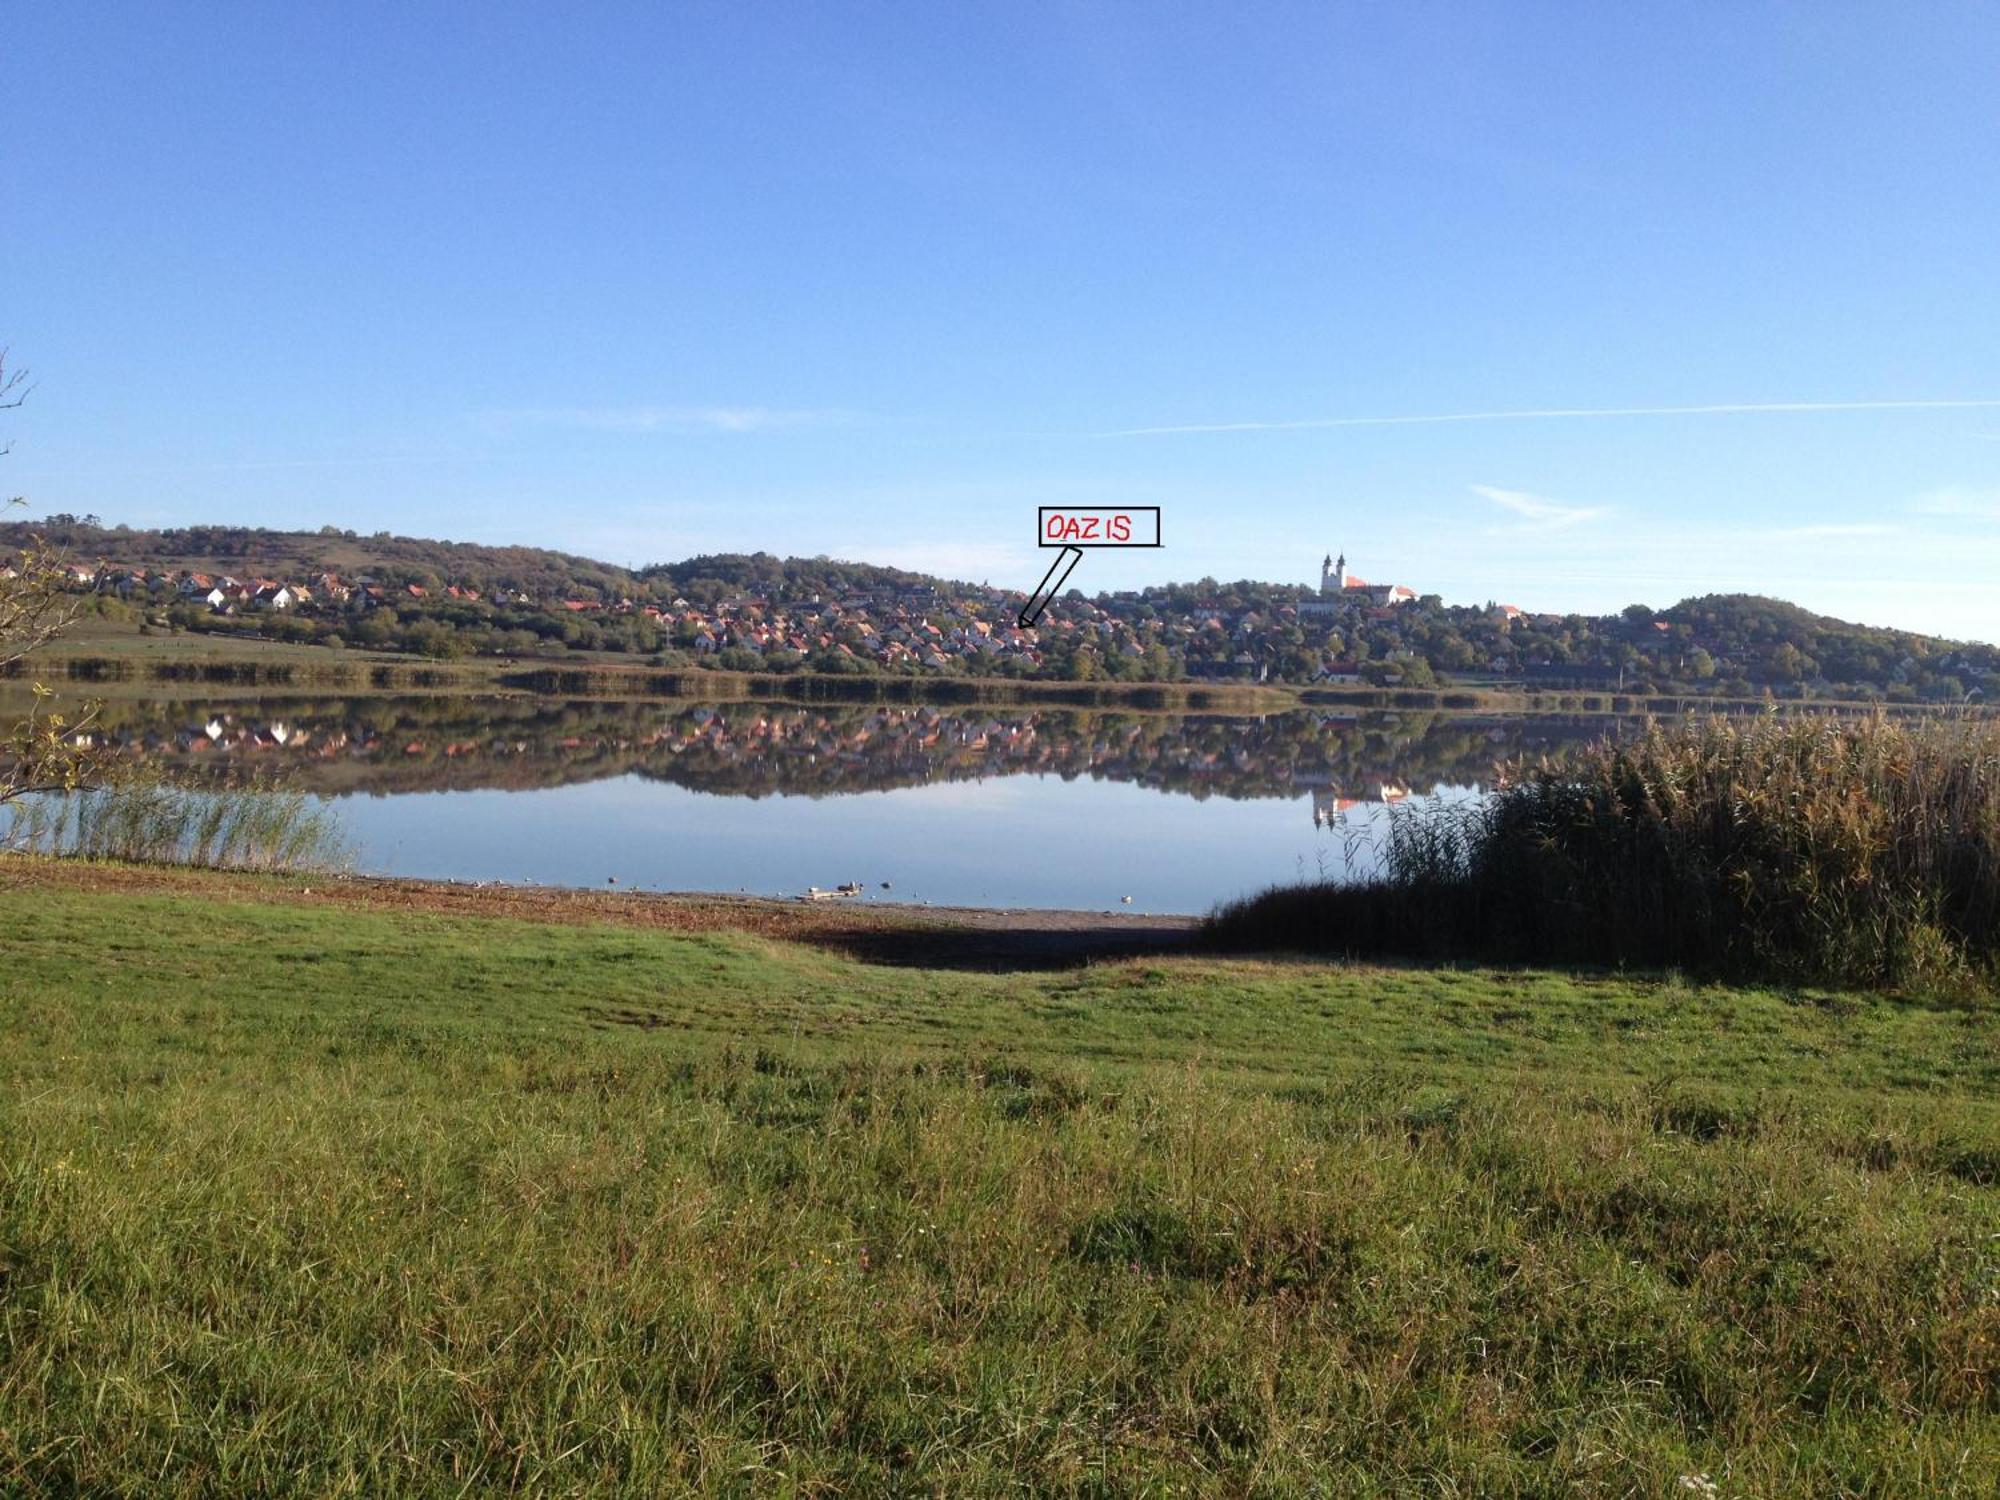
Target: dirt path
[874,931]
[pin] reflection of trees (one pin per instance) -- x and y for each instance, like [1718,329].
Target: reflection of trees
[753,750]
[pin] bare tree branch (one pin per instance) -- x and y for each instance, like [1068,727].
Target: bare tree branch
[14,388]
[47,751]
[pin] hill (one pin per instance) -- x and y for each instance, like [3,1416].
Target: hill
[761,612]
[299,554]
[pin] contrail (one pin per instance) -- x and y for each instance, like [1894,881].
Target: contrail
[1556,413]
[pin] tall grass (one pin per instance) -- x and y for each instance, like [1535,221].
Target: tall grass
[398,1201]
[256,827]
[1842,851]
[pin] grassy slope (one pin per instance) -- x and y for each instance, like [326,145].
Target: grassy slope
[311,1199]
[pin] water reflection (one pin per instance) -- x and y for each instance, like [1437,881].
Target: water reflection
[1331,763]
[1028,807]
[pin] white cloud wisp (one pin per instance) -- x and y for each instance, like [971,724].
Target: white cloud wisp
[1537,512]
[1560,413]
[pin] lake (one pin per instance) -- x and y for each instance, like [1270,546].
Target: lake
[1026,807]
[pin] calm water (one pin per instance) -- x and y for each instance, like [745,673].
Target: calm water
[1002,807]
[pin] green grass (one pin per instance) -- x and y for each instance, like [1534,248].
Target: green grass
[96,635]
[325,1200]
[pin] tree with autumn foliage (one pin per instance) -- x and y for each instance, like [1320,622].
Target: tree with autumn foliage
[47,750]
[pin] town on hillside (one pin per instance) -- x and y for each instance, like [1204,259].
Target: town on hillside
[763,614]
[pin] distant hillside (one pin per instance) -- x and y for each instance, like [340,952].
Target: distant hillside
[1792,644]
[752,612]
[393,559]
[400,560]
[739,572]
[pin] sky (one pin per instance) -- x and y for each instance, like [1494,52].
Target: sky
[1563,305]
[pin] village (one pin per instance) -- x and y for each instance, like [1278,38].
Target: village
[893,631]
[817,616]
[922,627]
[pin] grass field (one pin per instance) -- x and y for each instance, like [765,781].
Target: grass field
[314,1196]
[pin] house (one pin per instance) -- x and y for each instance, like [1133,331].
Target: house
[1339,674]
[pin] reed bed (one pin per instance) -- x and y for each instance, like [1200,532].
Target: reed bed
[1857,852]
[149,821]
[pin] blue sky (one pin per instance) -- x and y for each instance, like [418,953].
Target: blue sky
[877,280]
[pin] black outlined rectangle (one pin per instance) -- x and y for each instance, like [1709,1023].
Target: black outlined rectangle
[1043,539]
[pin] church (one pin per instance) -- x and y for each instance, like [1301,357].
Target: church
[1338,587]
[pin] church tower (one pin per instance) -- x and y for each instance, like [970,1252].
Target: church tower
[1333,575]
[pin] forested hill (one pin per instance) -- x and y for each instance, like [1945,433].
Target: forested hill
[760,572]
[1792,642]
[402,560]
[758,612]
[298,554]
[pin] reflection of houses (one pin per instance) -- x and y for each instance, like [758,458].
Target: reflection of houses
[1330,802]
[1342,761]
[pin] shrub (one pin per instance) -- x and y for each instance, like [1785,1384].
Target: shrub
[1840,851]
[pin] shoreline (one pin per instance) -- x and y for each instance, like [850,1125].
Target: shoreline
[899,933]
[127,665]
[134,676]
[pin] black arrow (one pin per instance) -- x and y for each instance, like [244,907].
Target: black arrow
[1051,585]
